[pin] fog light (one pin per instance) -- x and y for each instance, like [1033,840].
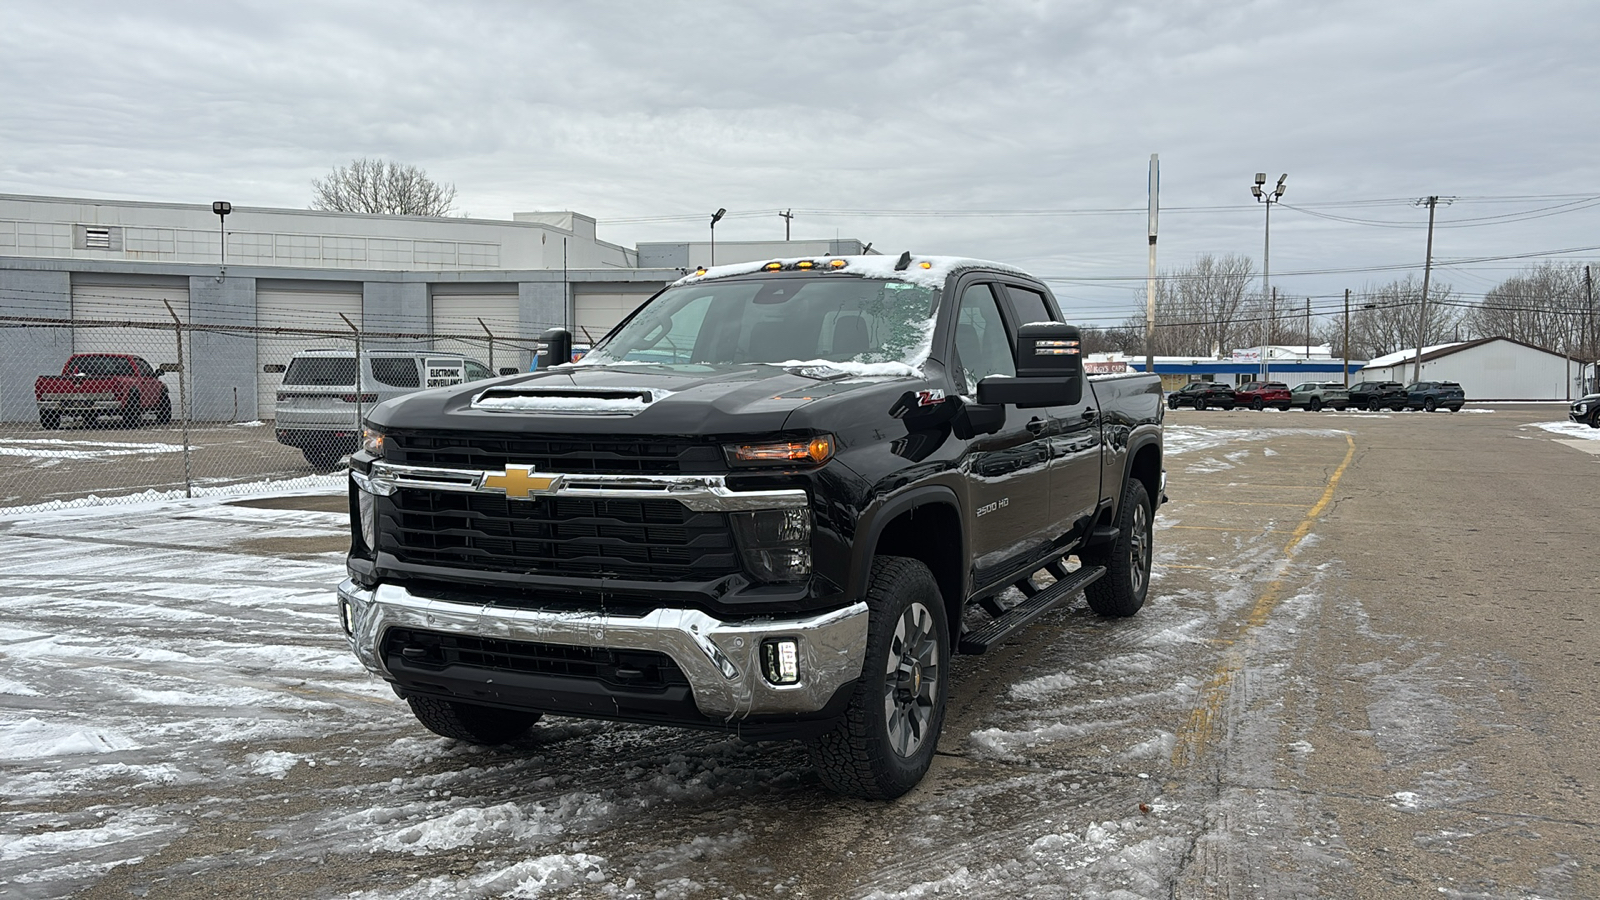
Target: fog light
[776,543]
[780,660]
[347,617]
[368,505]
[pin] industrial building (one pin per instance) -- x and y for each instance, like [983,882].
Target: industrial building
[1494,368]
[488,286]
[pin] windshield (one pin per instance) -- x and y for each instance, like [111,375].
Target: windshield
[839,319]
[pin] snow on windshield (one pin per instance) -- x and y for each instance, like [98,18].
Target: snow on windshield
[861,326]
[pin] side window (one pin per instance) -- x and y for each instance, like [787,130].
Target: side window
[396,371]
[982,346]
[476,371]
[1029,305]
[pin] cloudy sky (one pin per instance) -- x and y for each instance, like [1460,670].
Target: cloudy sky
[1018,131]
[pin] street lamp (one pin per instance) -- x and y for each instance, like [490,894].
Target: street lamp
[222,208]
[1268,196]
[715,218]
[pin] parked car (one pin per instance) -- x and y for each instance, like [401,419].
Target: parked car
[1431,395]
[319,406]
[1586,410]
[1376,395]
[1262,394]
[92,385]
[1318,395]
[1201,394]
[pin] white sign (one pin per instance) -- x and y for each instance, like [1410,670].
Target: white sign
[1247,356]
[443,372]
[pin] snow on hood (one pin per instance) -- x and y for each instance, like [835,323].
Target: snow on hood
[570,401]
[938,268]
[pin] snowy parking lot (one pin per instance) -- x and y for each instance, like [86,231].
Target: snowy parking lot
[1361,672]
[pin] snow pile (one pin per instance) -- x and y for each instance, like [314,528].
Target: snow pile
[154,501]
[56,448]
[824,368]
[273,764]
[1569,430]
[939,268]
[571,403]
[505,822]
[32,738]
[545,876]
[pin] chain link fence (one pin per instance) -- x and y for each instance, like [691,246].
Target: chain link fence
[133,410]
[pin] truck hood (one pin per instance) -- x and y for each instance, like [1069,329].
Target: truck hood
[642,399]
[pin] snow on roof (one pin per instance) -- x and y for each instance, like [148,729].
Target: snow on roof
[1399,356]
[925,271]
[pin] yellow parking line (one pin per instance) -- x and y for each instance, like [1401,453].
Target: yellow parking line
[1201,728]
[1240,503]
[1252,527]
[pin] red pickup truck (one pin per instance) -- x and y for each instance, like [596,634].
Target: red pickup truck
[92,385]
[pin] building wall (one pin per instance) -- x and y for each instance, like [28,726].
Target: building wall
[28,351]
[1499,370]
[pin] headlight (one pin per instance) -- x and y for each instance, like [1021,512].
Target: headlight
[372,441]
[368,505]
[806,451]
[1580,408]
[776,543]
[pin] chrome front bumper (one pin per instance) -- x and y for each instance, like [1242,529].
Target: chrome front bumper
[720,659]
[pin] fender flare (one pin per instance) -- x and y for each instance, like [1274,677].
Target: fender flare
[878,518]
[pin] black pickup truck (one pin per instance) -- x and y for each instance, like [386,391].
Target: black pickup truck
[776,501]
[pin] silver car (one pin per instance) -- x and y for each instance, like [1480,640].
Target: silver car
[319,406]
[1317,395]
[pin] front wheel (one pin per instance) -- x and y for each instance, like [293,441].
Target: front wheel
[1374,405]
[132,412]
[1428,404]
[1199,403]
[1594,419]
[1122,590]
[1258,404]
[885,744]
[473,724]
[1172,403]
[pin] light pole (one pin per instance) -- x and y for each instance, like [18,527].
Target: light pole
[222,208]
[1268,196]
[715,218]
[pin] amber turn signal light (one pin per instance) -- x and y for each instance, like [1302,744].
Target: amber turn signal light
[814,451]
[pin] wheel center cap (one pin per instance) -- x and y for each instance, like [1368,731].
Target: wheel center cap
[916,678]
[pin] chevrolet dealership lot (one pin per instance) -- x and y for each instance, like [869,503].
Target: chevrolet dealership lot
[1367,668]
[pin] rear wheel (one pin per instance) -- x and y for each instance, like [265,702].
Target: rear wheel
[1315,404]
[132,412]
[323,459]
[891,727]
[473,724]
[1199,403]
[164,409]
[49,419]
[1429,405]
[1122,590]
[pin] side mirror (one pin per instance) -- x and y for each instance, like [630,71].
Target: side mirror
[1049,369]
[164,368]
[510,370]
[557,342]
[274,368]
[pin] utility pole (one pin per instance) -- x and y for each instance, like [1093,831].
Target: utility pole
[1308,329]
[787,216]
[1594,364]
[1150,279]
[1427,269]
[1346,337]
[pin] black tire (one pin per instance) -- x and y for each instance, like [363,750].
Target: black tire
[1428,404]
[164,409]
[1122,590]
[1228,407]
[1314,404]
[1258,404]
[1172,403]
[1374,405]
[323,459]
[1284,407]
[1594,419]
[473,724]
[891,727]
[132,413]
[1199,403]
[49,419]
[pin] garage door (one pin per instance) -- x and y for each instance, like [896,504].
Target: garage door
[109,302]
[294,306]
[598,312]
[459,314]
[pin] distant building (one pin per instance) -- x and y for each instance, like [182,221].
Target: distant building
[1494,368]
[1289,364]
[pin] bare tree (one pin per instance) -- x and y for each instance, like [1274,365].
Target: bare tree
[1199,307]
[1544,305]
[1383,318]
[382,187]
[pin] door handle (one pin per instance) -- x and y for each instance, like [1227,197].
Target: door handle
[1089,414]
[1036,425]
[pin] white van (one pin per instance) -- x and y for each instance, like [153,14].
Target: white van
[319,405]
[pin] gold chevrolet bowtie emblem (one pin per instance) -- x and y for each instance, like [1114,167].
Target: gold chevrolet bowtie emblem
[520,483]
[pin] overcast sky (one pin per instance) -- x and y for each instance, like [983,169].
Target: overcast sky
[913,125]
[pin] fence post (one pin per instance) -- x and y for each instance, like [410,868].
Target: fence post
[183,400]
[491,345]
[360,416]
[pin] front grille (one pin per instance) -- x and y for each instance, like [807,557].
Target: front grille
[577,455]
[648,540]
[624,668]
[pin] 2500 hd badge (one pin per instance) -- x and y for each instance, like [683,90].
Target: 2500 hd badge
[759,505]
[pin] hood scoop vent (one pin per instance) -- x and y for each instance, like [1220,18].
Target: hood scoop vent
[569,401]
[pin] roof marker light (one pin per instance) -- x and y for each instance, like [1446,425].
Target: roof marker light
[805,264]
[700,271]
[838,264]
[926,265]
[773,266]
